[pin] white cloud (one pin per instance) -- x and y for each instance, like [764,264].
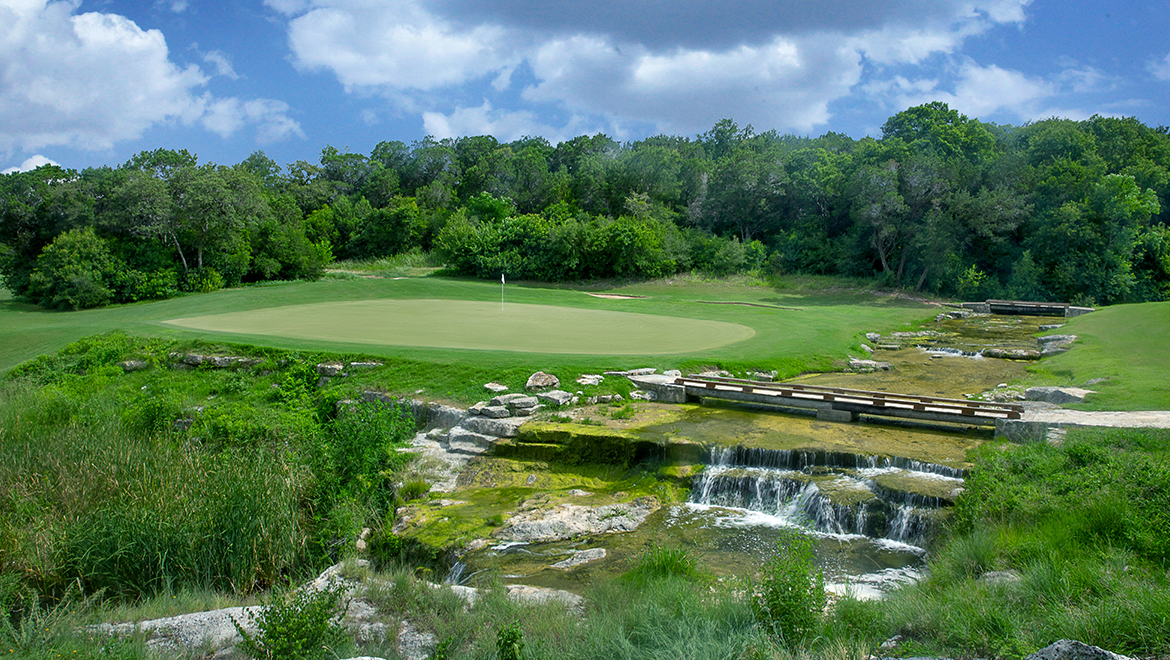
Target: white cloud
[504,125]
[227,116]
[91,80]
[979,91]
[223,65]
[586,64]
[396,44]
[30,164]
[1160,68]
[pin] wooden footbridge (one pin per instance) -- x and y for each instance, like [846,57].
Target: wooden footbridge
[840,404]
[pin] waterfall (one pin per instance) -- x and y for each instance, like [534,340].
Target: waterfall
[830,492]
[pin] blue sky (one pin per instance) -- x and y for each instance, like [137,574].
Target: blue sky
[92,82]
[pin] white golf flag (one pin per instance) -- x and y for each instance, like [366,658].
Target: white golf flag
[501,278]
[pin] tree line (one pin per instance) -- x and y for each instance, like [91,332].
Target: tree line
[1053,210]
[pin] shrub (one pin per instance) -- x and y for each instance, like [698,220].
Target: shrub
[510,642]
[300,625]
[75,271]
[791,595]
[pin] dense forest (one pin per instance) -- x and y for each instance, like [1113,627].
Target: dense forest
[1058,209]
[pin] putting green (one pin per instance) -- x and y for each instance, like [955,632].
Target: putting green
[478,325]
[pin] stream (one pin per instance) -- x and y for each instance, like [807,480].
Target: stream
[872,494]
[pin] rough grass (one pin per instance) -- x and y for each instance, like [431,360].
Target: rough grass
[1083,527]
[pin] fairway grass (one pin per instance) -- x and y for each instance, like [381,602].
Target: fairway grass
[479,325]
[1124,344]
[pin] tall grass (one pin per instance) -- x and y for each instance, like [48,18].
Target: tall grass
[1083,529]
[86,500]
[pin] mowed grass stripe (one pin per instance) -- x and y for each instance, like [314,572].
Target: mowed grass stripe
[478,325]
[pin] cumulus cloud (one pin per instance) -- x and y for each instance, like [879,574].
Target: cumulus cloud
[504,125]
[677,66]
[93,79]
[980,91]
[30,164]
[395,44]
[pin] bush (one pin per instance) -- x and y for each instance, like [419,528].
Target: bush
[510,642]
[791,595]
[75,271]
[296,626]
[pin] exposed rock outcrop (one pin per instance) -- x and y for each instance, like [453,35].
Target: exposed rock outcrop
[569,520]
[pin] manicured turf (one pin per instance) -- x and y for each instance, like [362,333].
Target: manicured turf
[479,325]
[1126,344]
[795,330]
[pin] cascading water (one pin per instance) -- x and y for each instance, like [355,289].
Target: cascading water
[833,493]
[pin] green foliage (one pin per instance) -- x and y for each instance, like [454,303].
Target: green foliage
[510,642]
[296,625]
[76,271]
[364,441]
[790,596]
[660,562]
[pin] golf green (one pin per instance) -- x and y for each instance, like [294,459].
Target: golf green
[478,325]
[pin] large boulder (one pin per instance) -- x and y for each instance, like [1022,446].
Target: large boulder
[541,381]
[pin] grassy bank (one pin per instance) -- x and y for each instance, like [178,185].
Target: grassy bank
[1124,344]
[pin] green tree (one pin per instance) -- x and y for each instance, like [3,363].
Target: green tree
[75,271]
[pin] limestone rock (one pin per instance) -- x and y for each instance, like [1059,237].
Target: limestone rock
[644,396]
[495,387]
[542,381]
[869,365]
[193,359]
[1067,649]
[1051,327]
[1044,341]
[889,347]
[413,644]
[330,369]
[762,376]
[555,397]
[873,336]
[364,365]
[133,365]
[495,412]
[468,442]
[590,379]
[508,400]
[583,557]
[221,361]
[498,428]
[570,520]
[1011,353]
[867,348]
[673,373]
[1057,395]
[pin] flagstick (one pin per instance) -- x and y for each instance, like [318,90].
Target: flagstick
[501,292]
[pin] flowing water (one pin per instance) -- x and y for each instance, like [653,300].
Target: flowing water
[872,494]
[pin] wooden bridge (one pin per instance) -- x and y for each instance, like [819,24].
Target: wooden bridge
[840,404]
[1026,308]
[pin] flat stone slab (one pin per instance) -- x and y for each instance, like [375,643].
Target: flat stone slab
[500,428]
[1057,394]
[555,397]
[1033,425]
[583,557]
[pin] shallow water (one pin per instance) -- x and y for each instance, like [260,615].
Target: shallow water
[797,472]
